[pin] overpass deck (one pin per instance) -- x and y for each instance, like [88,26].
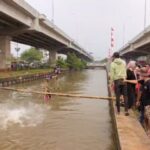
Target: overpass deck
[21,23]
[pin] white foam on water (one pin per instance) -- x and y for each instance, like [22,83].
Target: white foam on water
[23,115]
[15,95]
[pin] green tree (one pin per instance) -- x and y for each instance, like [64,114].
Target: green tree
[74,62]
[61,62]
[31,55]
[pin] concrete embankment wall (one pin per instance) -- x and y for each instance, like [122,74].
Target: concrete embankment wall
[24,78]
[112,113]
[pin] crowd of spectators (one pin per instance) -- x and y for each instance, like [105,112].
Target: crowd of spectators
[132,82]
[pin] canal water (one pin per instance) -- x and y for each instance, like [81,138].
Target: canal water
[27,123]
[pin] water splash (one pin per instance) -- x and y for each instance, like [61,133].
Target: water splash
[23,115]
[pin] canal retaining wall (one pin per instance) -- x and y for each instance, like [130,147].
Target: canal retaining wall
[115,131]
[25,78]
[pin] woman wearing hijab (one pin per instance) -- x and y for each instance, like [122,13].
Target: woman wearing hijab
[131,86]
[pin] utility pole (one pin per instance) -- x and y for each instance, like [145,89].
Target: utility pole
[145,13]
[52,11]
[17,50]
[123,38]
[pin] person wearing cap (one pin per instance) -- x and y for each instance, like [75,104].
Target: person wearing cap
[117,76]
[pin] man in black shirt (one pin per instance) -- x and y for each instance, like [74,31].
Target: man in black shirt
[145,98]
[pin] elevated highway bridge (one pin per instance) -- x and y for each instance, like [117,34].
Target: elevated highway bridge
[21,23]
[138,46]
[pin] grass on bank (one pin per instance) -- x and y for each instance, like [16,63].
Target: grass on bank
[7,74]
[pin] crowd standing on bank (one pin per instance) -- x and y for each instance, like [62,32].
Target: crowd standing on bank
[132,82]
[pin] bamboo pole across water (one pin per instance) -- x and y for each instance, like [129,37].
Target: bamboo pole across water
[58,94]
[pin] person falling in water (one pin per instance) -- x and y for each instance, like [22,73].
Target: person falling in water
[47,97]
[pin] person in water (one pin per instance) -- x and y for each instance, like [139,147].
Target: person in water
[47,97]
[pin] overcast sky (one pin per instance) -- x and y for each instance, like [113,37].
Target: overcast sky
[89,21]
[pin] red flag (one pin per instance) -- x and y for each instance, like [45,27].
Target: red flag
[112,39]
[112,29]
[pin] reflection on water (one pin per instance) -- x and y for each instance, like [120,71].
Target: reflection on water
[26,123]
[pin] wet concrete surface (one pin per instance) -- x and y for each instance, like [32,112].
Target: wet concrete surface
[131,134]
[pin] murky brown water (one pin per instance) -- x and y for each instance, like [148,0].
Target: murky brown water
[26,123]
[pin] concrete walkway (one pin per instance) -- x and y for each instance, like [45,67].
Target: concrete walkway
[131,134]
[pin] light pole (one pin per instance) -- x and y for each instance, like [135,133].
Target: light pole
[52,11]
[145,13]
[123,38]
[17,50]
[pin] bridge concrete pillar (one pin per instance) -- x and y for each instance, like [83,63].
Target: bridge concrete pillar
[52,57]
[5,56]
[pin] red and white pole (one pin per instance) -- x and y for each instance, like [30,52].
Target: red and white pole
[112,43]
[112,40]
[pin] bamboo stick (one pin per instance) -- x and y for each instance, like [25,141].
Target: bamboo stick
[57,94]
